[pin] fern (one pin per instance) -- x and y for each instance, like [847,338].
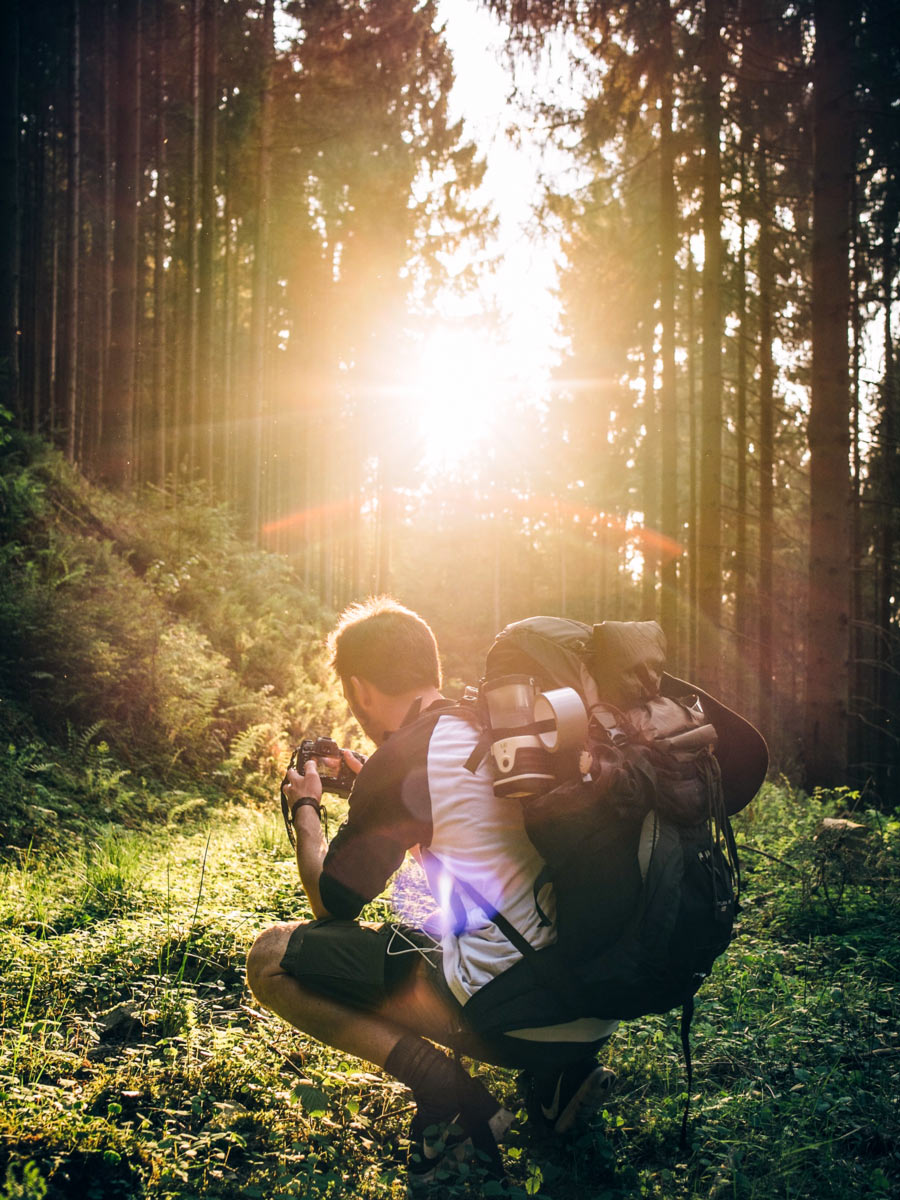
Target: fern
[259,750]
[78,743]
[21,761]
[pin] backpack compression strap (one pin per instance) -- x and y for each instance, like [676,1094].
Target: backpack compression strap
[489,736]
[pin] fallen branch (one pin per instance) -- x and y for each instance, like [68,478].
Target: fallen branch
[744,848]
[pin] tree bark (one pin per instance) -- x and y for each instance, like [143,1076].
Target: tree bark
[766,597]
[160,299]
[207,244]
[259,314]
[885,583]
[32,296]
[45,418]
[668,248]
[191,407]
[106,225]
[651,484]
[827,675]
[73,262]
[742,606]
[118,424]
[9,209]
[692,606]
[710,525]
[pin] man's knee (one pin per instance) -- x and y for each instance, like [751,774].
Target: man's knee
[264,959]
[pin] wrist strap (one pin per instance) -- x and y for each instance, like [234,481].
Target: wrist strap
[310,800]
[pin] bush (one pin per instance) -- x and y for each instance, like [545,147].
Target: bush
[196,654]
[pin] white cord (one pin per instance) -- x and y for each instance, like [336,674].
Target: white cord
[412,948]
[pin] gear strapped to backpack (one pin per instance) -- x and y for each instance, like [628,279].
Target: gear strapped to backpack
[627,802]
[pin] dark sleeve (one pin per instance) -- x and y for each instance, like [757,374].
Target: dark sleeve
[389,811]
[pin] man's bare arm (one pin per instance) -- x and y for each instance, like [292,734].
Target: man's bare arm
[311,844]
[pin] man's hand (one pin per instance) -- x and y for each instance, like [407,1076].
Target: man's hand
[352,761]
[310,844]
[294,785]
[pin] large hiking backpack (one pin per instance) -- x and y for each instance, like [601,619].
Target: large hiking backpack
[638,847]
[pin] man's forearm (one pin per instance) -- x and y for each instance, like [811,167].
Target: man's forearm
[311,849]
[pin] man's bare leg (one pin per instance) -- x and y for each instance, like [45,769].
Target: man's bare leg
[372,1036]
[392,1038]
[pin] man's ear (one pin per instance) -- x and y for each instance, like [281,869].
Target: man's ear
[360,694]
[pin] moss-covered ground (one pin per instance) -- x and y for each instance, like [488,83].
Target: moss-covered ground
[134,1062]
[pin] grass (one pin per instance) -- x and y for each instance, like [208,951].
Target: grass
[133,1061]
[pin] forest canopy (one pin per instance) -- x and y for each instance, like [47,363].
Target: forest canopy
[258,360]
[226,228]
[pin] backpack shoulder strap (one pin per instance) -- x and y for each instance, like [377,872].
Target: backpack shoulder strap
[546,975]
[497,918]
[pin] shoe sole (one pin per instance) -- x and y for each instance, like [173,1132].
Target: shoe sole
[593,1086]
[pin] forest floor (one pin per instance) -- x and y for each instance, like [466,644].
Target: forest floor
[134,1062]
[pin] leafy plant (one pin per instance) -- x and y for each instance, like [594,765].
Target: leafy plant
[24,1183]
[795,1040]
[194,655]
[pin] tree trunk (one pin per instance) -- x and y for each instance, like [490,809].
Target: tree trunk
[158,406]
[692,606]
[31,292]
[118,424]
[885,584]
[650,488]
[827,678]
[106,225]
[229,307]
[191,407]
[710,525]
[766,596]
[206,257]
[668,248]
[742,606]
[48,412]
[10,398]
[860,671]
[74,238]
[259,314]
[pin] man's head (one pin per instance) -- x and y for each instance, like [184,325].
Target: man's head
[385,656]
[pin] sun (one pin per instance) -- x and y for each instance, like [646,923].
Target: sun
[459,382]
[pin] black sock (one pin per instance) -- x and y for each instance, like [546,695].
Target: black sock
[439,1085]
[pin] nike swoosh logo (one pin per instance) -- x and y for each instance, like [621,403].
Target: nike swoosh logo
[551,1111]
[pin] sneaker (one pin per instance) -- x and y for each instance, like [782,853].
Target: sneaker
[557,1102]
[443,1145]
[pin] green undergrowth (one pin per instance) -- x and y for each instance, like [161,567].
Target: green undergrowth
[135,1063]
[151,660]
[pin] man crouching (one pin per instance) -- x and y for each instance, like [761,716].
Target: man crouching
[386,994]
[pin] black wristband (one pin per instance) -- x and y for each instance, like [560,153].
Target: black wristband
[311,801]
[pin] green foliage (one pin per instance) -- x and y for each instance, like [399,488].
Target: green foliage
[197,656]
[25,1185]
[132,1054]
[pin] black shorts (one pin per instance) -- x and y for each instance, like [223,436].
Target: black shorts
[364,966]
[359,965]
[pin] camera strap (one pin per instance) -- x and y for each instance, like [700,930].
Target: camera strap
[288,823]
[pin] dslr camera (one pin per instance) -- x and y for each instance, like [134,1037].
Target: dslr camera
[338,781]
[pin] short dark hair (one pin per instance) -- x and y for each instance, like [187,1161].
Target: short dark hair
[379,640]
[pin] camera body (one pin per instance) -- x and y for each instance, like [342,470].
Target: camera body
[320,748]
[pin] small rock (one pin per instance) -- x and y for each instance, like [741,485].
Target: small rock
[120,1024]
